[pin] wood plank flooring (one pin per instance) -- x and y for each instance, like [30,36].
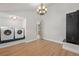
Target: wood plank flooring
[36,48]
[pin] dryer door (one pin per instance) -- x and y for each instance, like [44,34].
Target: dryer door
[7,32]
[19,32]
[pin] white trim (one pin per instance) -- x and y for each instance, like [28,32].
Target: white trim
[8,44]
[71,47]
[30,40]
[54,40]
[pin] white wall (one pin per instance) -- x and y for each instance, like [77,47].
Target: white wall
[31,19]
[7,22]
[54,22]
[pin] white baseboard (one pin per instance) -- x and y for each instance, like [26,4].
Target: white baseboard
[54,40]
[8,44]
[71,47]
[30,40]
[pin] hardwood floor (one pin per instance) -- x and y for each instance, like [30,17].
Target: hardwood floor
[36,48]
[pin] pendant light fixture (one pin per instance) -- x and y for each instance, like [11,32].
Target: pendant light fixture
[42,9]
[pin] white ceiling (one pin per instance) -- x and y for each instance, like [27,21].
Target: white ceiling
[27,6]
[17,6]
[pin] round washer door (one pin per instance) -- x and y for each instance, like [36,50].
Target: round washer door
[7,32]
[19,32]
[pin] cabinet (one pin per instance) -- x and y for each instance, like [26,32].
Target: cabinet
[72,27]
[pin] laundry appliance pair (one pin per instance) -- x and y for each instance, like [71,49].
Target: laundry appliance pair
[8,34]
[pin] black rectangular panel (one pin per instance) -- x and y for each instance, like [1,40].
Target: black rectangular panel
[72,27]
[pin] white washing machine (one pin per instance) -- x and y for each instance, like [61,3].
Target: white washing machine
[7,33]
[19,33]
